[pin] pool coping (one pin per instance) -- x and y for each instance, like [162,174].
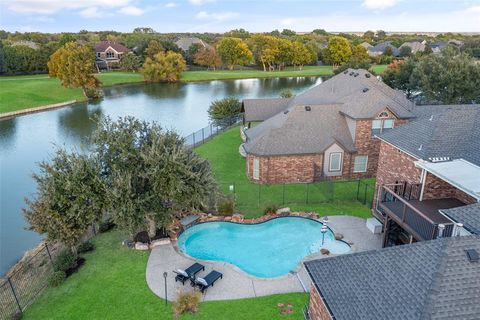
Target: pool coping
[293,272]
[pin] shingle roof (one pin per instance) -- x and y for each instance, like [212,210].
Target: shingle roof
[416,46]
[361,93]
[468,215]
[186,43]
[426,280]
[103,45]
[262,109]
[381,47]
[299,131]
[440,131]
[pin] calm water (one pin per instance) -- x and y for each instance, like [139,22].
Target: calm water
[258,249]
[26,140]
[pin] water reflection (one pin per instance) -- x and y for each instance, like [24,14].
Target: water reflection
[27,140]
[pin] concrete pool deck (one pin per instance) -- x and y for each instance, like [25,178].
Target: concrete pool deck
[237,284]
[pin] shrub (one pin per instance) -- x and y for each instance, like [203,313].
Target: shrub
[270,209]
[286,93]
[106,225]
[226,208]
[186,302]
[65,260]
[85,247]
[222,111]
[57,278]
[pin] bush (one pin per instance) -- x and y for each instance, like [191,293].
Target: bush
[186,302]
[222,111]
[270,209]
[85,247]
[106,226]
[65,260]
[286,93]
[226,208]
[57,278]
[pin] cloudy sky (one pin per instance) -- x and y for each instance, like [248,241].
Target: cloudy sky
[253,15]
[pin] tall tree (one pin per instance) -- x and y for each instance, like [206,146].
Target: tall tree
[164,67]
[234,51]
[130,62]
[301,55]
[399,75]
[338,51]
[70,197]
[151,174]
[208,57]
[154,47]
[264,49]
[73,64]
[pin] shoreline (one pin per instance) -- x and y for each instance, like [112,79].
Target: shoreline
[13,114]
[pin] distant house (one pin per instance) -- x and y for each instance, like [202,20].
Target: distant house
[428,176]
[415,46]
[380,48]
[437,279]
[30,44]
[324,133]
[437,47]
[366,45]
[186,43]
[109,53]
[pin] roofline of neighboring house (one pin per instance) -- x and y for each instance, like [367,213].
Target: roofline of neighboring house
[302,154]
[319,291]
[110,47]
[398,148]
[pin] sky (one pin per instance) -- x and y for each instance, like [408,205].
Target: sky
[252,15]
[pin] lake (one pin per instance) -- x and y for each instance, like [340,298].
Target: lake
[29,139]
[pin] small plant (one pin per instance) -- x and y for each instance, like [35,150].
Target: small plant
[286,93]
[270,209]
[226,208]
[186,302]
[85,247]
[106,226]
[65,260]
[57,278]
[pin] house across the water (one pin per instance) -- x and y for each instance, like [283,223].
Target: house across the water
[109,53]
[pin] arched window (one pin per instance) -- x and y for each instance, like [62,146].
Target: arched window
[383,114]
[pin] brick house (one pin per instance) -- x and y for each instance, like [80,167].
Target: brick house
[109,53]
[428,176]
[326,132]
[437,279]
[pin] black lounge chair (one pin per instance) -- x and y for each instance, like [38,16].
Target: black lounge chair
[190,272]
[209,280]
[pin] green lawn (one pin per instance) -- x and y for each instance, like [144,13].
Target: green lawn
[378,68]
[111,285]
[22,92]
[229,169]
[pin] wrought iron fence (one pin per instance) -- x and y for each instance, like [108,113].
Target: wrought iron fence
[201,136]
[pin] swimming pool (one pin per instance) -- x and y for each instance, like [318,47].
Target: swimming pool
[268,249]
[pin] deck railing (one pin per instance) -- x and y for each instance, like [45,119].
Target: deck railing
[409,217]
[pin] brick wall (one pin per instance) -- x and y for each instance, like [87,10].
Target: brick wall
[317,308]
[436,188]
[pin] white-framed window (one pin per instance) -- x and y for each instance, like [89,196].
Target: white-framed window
[381,126]
[256,168]
[110,54]
[360,164]
[335,163]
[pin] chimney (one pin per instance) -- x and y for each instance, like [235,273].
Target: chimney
[441,228]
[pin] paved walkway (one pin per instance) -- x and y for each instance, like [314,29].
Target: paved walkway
[237,284]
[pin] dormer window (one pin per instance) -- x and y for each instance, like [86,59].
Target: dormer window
[384,114]
[381,126]
[110,55]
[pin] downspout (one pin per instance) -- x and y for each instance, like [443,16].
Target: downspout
[423,178]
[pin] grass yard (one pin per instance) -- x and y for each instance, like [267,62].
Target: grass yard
[111,285]
[29,91]
[229,169]
[378,68]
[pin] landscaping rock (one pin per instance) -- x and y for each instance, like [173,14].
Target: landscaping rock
[283,211]
[141,246]
[159,242]
[324,251]
[237,217]
[128,243]
[338,236]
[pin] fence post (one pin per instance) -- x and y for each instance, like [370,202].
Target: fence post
[358,189]
[14,294]
[259,193]
[94,229]
[306,200]
[283,194]
[203,136]
[194,139]
[365,195]
[48,251]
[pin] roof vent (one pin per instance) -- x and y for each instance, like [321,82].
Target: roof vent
[351,73]
[431,118]
[367,75]
[439,159]
[285,112]
[345,72]
[355,75]
[472,255]
[308,108]
[365,89]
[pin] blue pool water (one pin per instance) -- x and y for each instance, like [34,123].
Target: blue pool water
[265,250]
